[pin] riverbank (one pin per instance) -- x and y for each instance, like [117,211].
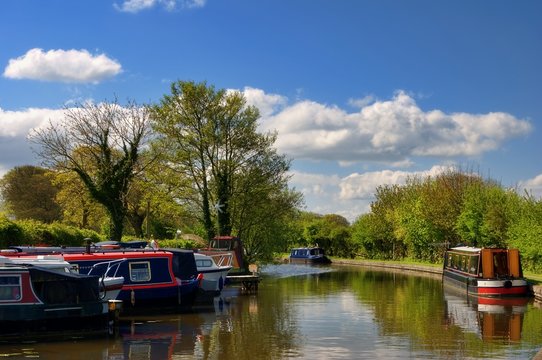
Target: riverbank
[429,269]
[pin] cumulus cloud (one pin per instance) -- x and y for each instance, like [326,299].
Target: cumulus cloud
[135,6]
[389,131]
[71,66]
[363,186]
[532,186]
[266,103]
[351,195]
[15,150]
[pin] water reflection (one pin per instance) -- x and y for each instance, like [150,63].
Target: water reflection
[166,336]
[491,319]
[321,313]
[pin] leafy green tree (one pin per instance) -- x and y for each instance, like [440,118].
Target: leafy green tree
[102,144]
[525,230]
[483,220]
[78,207]
[210,137]
[29,193]
[373,235]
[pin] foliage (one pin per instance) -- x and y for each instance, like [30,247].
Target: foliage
[32,232]
[10,232]
[29,193]
[222,168]
[525,231]
[102,144]
[78,207]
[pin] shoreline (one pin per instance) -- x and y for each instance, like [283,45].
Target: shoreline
[535,289]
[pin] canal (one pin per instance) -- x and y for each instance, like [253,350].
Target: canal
[336,312]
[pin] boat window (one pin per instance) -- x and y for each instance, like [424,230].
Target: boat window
[140,271]
[500,264]
[10,288]
[464,263]
[204,263]
[473,265]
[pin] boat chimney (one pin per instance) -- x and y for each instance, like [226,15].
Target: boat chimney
[88,241]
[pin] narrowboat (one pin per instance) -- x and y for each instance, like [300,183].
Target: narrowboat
[308,255]
[214,269]
[153,278]
[37,302]
[110,283]
[226,245]
[485,272]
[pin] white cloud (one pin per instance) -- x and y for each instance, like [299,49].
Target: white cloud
[15,150]
[17,124]
[363,186]
[361,103]
[266,103]
[134,6]
[71,66]
[532,186]
[386,131]
[351,196]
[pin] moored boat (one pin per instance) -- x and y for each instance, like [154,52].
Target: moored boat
[153,278]
[486,272]
[215,270]
[36,301]
[110,283]
[308,255]
[226,245]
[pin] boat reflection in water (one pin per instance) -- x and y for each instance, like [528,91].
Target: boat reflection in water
[493,319]
[167,336]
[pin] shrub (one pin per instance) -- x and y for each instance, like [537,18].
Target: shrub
[10,232]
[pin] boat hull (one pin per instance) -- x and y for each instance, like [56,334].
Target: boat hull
[31,319]
[486,287]
[310,261]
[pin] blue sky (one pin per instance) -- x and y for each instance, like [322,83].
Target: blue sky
[362,93]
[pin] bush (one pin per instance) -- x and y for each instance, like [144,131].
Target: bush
[34,233]
[10,232]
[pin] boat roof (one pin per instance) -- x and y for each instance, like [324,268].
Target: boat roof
[466,249]
[118,254]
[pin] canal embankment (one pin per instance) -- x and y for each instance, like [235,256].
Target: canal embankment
[427,269]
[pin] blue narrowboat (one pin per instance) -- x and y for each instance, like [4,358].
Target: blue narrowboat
[308,255]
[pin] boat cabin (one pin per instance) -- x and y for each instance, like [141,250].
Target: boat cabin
[484,263]
[485,271]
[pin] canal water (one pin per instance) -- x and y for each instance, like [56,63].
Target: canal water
[335,312]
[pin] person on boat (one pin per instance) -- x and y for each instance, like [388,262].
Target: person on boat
[153,244]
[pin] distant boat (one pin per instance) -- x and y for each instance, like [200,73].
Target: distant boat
[214,269]
[308,255]
[37,302]
[486,272]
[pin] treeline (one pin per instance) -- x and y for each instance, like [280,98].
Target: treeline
[417,220]
[421,218]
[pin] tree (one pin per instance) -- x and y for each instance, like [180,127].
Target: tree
[29,193]
[102,144]
[78,208]
[209,136]
[223,167]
